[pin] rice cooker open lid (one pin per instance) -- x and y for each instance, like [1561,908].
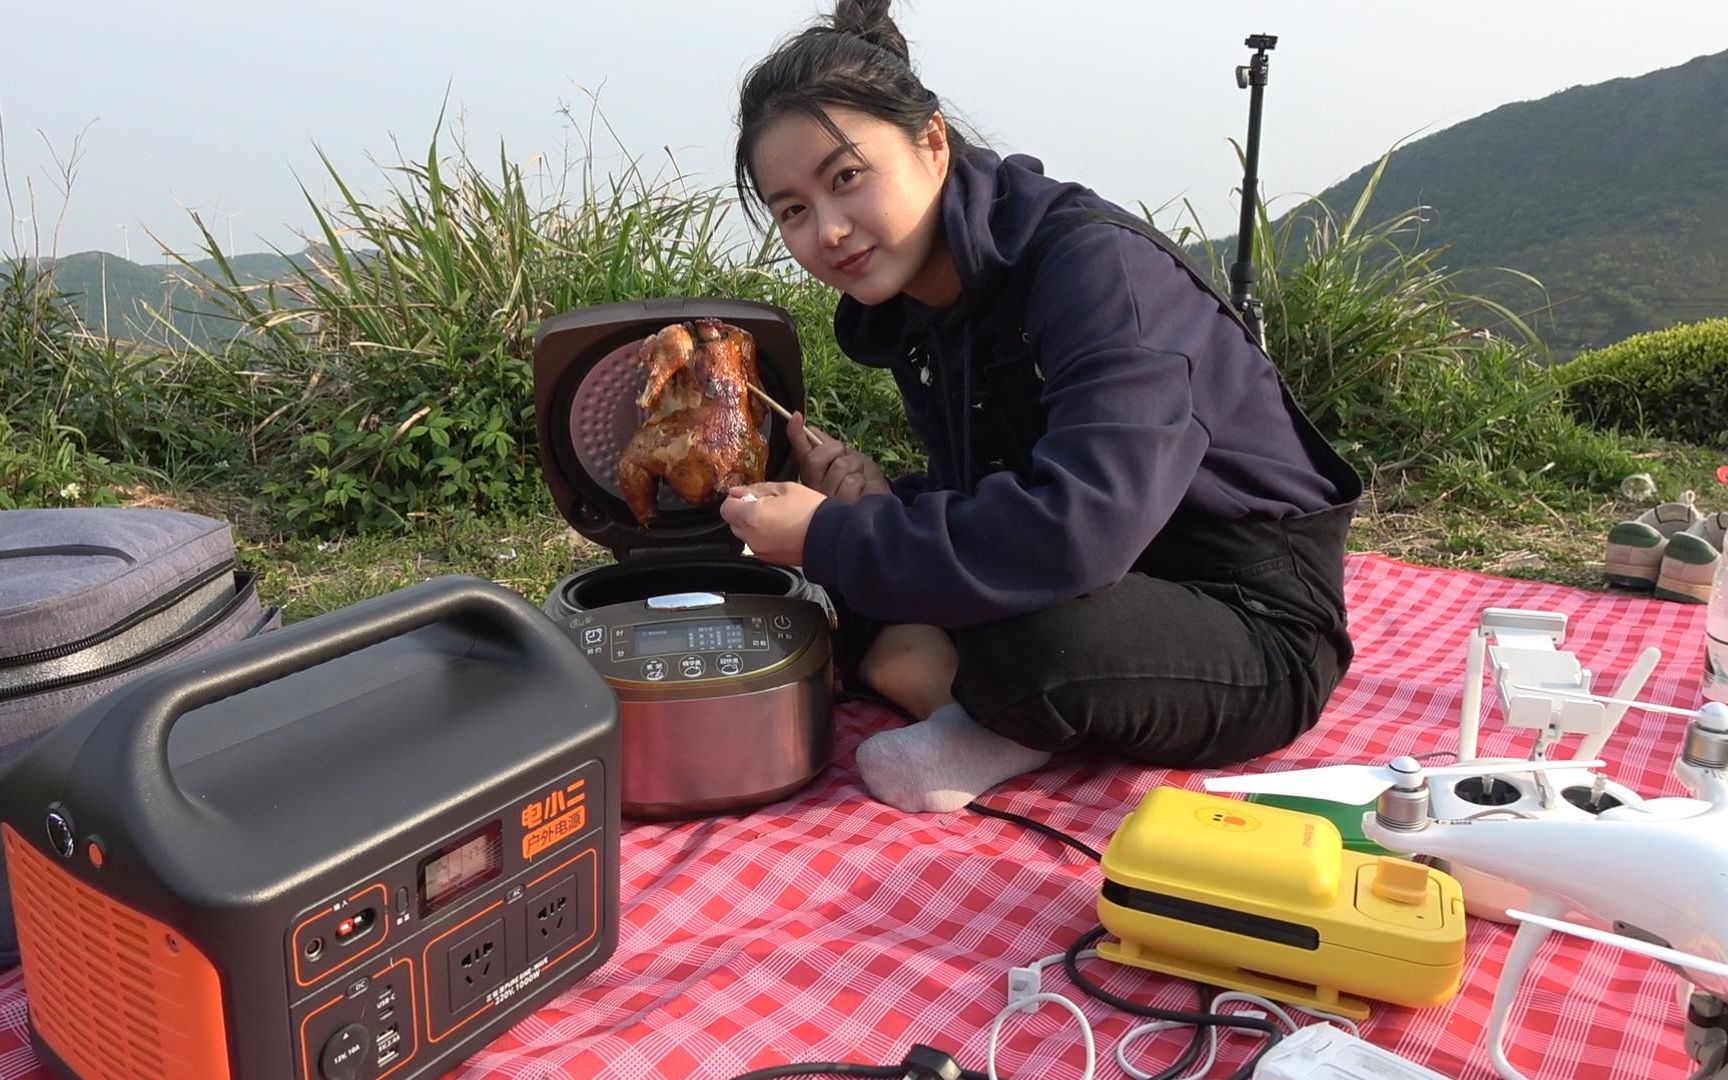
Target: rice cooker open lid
[585,384]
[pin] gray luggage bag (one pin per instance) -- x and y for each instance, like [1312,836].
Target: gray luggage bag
[91,598]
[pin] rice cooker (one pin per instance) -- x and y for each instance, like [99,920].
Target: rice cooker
[722,663]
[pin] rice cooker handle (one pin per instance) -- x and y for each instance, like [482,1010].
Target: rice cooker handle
[137,746]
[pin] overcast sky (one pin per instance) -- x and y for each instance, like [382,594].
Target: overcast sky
[222,106]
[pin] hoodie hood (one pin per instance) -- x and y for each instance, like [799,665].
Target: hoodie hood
[991,206]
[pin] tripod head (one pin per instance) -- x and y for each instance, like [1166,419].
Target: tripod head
[1254,72]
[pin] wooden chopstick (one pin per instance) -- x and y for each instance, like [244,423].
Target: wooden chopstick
[815,439]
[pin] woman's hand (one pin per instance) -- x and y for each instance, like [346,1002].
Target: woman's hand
[772,518]
[834,469]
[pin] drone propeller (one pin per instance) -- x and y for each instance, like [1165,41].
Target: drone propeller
[1354,785]
[1630,944]
[1709,709]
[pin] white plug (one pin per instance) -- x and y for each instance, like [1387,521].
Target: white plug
[1323,1050]
[1023,983]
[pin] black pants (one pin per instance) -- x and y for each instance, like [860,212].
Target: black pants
[1223,644]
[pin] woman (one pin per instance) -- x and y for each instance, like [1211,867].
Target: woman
[1128,539]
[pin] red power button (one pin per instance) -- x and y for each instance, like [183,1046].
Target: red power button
[353,924]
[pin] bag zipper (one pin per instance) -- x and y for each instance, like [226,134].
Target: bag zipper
[158,606]
[142,658]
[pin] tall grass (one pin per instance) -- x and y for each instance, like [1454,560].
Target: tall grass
[392,376]
[389,379]
[61,438]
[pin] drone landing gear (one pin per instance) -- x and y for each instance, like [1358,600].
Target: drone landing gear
[1524,945]
[1707,1035]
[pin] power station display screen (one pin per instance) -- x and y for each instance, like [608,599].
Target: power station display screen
[691,635]
[460,866]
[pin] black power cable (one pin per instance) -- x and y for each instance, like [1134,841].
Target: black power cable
[1037,827]
[1200,1020]
[823,1068]
[922,1063]
[1190,1053]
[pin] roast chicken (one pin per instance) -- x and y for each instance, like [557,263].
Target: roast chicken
[701,428]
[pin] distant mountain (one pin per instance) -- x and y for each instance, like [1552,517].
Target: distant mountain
[1614,196]
[114,296]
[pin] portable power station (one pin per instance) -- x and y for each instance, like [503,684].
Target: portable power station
[359,847]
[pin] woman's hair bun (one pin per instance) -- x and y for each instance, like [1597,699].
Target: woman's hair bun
[869,20]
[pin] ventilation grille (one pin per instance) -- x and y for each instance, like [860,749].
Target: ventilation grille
[117,995]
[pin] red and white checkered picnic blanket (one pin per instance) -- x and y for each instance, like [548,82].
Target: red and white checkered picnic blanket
[831,928]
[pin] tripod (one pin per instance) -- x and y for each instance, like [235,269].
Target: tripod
[1250,77]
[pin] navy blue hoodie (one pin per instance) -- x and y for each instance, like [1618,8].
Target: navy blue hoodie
[1153,400]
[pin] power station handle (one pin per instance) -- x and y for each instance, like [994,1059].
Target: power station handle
[134,752]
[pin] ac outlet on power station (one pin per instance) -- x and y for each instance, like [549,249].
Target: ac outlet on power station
[476,964]
[551,914]
[511,945]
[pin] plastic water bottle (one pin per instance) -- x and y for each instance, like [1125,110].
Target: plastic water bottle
[1716,637]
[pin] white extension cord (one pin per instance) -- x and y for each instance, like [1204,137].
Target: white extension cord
[1025,994]
[1323,1050]
[1030,1004]
[1262,1010]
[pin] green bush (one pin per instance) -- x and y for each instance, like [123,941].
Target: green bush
[1671,383]
[1497,432]
[53,469]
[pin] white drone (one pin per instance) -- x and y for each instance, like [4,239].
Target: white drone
[1541,689]
[1561,841]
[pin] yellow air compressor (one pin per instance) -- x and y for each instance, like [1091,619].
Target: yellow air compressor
[1256,898]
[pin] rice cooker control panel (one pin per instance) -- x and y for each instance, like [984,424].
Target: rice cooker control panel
[684,638]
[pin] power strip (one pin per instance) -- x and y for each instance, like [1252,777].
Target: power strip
[1323,1052]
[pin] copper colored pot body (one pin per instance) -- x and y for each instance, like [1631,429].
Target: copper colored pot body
[701,740]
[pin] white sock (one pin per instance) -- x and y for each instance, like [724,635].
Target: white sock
[942,763]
